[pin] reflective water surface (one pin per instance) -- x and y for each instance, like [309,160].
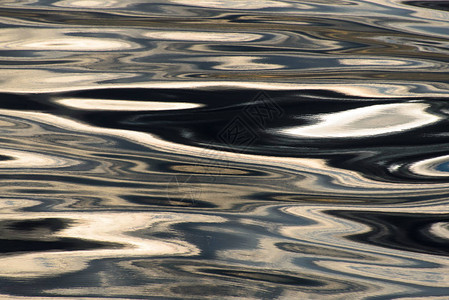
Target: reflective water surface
[224,149]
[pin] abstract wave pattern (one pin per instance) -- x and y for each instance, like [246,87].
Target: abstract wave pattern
[224,149]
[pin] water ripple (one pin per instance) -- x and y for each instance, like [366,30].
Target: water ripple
[224,149]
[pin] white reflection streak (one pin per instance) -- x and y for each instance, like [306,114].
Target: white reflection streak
[374,62]
[243,63]
[234,4]
[72,44]
[51,40]
[123,105]
[393,64]
[203,36]
[90,3]
[367,121]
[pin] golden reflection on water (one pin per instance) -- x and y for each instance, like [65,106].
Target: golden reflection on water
[57,40]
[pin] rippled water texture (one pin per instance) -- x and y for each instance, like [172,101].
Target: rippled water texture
[217,149]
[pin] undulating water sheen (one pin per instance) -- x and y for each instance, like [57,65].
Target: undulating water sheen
[224,149]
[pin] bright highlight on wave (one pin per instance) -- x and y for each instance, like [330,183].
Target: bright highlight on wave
[123,105]
[57,40]
[434,167]
[233,4]
[203,36]
[367,121]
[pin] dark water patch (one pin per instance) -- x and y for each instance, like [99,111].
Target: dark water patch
[316,250]
[439,5]
[168,201]
[53,225]
[23,102]
[409,232]
[267,277]
[61,244]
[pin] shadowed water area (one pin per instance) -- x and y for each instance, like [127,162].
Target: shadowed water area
[224,149]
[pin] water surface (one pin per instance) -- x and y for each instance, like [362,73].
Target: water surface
[224,149]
